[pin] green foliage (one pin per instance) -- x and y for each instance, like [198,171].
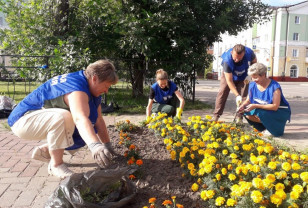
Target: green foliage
[173,35]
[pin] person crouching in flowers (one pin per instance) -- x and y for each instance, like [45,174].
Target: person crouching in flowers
[265,106]
[165,97]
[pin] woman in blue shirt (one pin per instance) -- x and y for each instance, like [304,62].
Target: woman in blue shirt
[265,107]
[164,97]
[66,111]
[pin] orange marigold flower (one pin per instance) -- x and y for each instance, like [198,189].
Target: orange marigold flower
[179,206]
[128,138]
[130,162]
[131,177]
[132,146]
[128,121]
[166,202]
[139,162]
[152,200]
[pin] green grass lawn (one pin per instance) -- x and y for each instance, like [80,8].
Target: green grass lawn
[121,94]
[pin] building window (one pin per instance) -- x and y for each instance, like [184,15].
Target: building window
[295,53]
[297,19]
[293,71]
[295,36]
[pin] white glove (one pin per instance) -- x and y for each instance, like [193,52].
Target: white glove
[238,100]
[101,153]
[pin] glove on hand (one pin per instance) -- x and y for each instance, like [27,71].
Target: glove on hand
[179,113]
[238,100]
[101,153]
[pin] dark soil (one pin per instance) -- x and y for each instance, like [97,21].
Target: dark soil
[159,176]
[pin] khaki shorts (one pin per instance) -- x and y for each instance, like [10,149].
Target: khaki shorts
[56,125]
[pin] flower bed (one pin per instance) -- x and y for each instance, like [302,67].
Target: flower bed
[231,167]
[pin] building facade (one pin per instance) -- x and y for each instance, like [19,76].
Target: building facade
[281,43]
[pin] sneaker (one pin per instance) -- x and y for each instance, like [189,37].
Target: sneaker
[266,133]
[60,171]
[39,154]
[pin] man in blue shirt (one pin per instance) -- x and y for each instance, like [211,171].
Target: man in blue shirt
[235,63]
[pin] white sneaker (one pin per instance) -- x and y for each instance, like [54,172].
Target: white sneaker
[266,133]
[39,154]
[60,171]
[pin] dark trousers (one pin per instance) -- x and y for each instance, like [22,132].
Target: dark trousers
[169,108]
[223,94]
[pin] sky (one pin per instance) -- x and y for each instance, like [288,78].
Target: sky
[281,2]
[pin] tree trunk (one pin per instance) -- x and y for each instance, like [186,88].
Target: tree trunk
[137,82]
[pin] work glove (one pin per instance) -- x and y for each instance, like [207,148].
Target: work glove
[238,100]
[179,113]
[101,153]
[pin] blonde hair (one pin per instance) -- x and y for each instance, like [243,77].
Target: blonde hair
[257,69]
[161,74]
[104,70]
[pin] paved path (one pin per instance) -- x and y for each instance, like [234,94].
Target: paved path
[25,183]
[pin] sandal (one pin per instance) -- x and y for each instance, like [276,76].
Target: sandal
[39,154]
[61,171]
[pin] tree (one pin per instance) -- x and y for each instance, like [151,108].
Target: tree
[172,34]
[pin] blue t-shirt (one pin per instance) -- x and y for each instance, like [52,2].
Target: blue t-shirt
[53,88]
[239,72]
[163,96]
[266,97]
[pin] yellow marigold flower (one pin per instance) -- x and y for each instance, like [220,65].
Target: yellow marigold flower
[295,175]
[258,183]
[232,177]
[293,205]
[275,199]
[281,194]
[168,147]
[233,156]
[218,177]
[210,194]
[224,171]
[294,157]
[173,155]
[304,176]
[294,195]
[195,126]
[304,157]
[298,188]
[231,202]
[208,168]
[281,175]
[279,186]
[203,195]
[219,201]
[261,159]
[260,149]
[190,166]
[286,155]
[236,148]
[286,166]
[230,167]
[272,165]
[271,177]
[208,117]
[256,196]
[256,168]
[225,152]
[195,187]
[268,149]
[296,166]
